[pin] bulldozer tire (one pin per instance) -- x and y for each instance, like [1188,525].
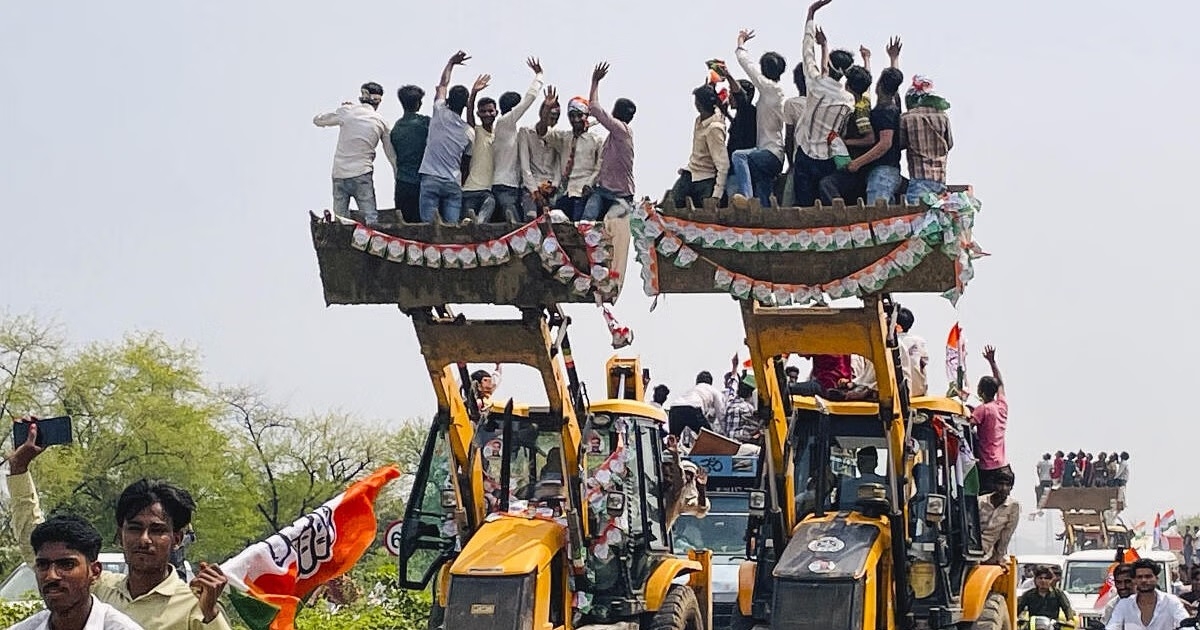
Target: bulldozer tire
[679,611]
[741,622]
[994,615]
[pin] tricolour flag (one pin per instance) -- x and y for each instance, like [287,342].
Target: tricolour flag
[1108,589]
[1157,541]
[956,360]
[270,578]
[1168,520]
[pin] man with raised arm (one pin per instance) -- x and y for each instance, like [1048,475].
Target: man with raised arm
[708,165]
[539,155]
[477,185]
[449,136]
[991,420]
[826,108]
[506,162]
[151,517]
[615,181]
[360,129]
[881,163]
[757,168]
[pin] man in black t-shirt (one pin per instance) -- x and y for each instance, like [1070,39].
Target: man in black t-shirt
[881,164]
[1045,599]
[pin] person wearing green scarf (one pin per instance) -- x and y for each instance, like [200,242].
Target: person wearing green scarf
[925,134]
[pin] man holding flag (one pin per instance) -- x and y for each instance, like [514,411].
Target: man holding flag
[1117,586]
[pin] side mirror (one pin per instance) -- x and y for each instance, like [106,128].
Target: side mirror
[935,508]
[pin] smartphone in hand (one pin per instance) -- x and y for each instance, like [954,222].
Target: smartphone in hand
[51,431]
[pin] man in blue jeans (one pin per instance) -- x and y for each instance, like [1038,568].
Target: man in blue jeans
[615,181]
[360,129]
[449,137]
[757,168]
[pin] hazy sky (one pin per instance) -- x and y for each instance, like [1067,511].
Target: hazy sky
[159,163]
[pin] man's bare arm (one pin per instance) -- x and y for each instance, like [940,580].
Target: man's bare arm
[989,353]
[457,59]
[481,82]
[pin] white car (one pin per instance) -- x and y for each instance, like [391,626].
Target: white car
[21,584]
[723,531]
[1085,572]
[1031,561]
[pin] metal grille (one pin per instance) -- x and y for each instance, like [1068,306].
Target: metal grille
[491,603]
[817,605]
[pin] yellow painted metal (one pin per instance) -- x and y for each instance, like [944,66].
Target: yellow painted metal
[662,576]
[510,545]
[701,582]
[986,579]
[745,596]
[628,408]
[625,378]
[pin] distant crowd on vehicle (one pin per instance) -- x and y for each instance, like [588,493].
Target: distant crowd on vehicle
[1079,469]
[470,161]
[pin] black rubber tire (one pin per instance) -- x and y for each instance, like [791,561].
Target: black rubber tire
[679,611]
[994,615]
[739,621]
[437,616]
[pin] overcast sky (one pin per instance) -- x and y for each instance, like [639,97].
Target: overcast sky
[159,162]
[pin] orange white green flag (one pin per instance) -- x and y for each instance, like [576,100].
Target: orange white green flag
[269,579]
[1108,590]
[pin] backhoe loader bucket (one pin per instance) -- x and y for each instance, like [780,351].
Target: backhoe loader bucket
[426,265]
[794,255]
[1095,499]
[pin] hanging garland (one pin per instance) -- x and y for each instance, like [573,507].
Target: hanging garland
[947,223]
[601,282]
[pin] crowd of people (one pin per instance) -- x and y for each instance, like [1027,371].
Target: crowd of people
[1079,469]
[470,160]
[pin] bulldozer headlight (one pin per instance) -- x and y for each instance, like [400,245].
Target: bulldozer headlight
[758,501]
[614,502]
[449,499]
[935,508]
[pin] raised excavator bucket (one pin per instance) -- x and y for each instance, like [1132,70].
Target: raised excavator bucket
[427,265]
[784,256]
[1094,499]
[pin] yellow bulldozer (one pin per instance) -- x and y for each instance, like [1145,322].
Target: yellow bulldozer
[526,517]
[865,516]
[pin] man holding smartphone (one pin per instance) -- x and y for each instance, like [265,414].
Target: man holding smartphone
[151,518]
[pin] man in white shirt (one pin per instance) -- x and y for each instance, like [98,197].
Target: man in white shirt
[1123,583]
[360,129]
[506,163]
[913,346]
[1149,608]
[700,407]
[539,154]
[477,187]
[67,550]
[755,169]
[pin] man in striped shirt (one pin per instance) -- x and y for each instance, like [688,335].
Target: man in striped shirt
[827,105]
[925,132]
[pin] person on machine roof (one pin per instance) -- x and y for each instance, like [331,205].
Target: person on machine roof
[506,163]
[477,194]
[757,168]
[925,134]
[408,137]
[740,421]
[700,407]
[580,164]
[614,184]
[539,156]
[707,167]
[360,130]
[447,143]
[991,418]
[880,164]
[827,106]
